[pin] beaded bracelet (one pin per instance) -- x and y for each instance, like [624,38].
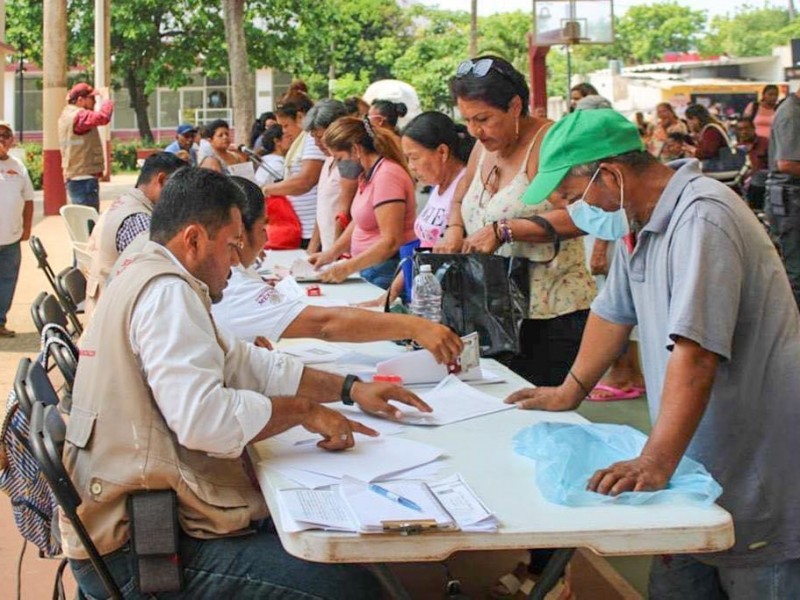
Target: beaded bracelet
[506,235]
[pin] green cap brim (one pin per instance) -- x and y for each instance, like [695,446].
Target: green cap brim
[543,185]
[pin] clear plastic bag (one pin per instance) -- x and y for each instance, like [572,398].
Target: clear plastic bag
[567,455]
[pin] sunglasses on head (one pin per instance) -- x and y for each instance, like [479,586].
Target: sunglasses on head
[480,68]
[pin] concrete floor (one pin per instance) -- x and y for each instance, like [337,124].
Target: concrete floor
[477,571]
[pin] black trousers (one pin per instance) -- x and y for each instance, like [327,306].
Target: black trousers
[548,348]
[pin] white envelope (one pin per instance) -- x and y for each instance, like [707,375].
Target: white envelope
[420,366]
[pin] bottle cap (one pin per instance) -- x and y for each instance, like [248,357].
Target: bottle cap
[386,378]
[425,269]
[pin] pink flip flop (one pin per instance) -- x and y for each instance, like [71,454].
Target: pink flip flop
[614,393]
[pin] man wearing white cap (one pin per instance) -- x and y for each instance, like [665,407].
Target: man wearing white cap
[720,339]
[82,158]
[16,213]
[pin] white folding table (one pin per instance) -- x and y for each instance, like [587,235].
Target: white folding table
[481,450]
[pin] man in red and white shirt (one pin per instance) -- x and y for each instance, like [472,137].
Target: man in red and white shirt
[82,156]
[16,213]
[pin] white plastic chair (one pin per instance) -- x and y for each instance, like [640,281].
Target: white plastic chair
[79,221]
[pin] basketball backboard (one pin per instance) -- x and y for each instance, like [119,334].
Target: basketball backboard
[559,22]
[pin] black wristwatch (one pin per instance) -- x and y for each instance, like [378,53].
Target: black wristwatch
[347,386]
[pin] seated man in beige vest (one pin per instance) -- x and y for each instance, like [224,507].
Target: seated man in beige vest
[126,222]
[164,400]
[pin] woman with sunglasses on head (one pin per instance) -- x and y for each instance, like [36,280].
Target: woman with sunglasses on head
[488,216]
[384,206]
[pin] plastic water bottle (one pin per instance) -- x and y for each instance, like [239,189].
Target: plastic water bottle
[426,295]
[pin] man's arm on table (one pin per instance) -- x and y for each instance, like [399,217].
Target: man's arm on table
[217,402]
[360,325]
[687,387]
[602,342]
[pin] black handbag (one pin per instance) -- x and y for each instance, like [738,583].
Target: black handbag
[484,293]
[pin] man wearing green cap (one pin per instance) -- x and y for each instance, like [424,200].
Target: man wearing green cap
[720,338]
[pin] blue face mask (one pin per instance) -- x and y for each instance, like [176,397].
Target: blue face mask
[598,222]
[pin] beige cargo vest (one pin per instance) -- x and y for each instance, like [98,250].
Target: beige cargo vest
[103,242]
[117,441]
[81,155]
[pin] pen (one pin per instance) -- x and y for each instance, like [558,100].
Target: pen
[394,497]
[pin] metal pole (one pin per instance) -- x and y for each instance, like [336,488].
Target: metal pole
[473,30]
[21,96]
[569,71]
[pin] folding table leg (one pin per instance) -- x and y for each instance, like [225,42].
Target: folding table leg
[553,571]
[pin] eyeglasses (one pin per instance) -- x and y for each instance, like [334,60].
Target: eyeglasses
[490,185]
[480,68]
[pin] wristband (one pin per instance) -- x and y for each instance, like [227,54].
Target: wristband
[448,226]
[580,384]
[347,386]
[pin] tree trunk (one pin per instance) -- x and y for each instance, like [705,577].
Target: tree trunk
[139,104]
[242,86]
[792,12]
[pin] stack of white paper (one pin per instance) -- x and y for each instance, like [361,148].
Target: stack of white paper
[369,459]
[452,401]
[354,506]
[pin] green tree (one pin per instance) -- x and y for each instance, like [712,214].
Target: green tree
[749,32]
[440,42]
[506,35]
[645,32]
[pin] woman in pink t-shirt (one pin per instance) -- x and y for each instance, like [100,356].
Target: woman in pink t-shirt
[383,209]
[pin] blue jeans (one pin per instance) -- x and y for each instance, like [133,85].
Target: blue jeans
[252,566]
[381,274]
[681,577]
[85,192]
[10,259]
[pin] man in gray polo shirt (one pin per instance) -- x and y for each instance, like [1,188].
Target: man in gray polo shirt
[783,185]
[720,337]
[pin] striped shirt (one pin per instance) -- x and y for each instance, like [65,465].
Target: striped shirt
[305,205]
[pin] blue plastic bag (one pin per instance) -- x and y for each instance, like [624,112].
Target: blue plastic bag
[567,456]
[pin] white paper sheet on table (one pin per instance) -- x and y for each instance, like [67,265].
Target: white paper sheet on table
[369,459]
[301,435]
[302,270]
[353,506]
[452,401]
[314,352]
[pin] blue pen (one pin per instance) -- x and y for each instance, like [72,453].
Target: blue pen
[394,497]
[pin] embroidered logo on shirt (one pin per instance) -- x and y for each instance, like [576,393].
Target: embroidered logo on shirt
[268,295]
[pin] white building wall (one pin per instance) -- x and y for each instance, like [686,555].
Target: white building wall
[265,97]
[10,90]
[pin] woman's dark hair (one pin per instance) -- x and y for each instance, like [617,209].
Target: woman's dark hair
[194,195]
[212,127]
[498,87]
[770,87]
[431,129]
[585,89]
[391,111]
[356,106]
[699,112]
[292,103]
[668,106]
[253,206]
[270,138]
[297,85]
[323,114]
[346,132]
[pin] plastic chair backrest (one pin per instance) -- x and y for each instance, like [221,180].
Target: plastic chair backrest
[80,220]
[48,432]
[41,259]
[20,387]
[46,309]
[71,284]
